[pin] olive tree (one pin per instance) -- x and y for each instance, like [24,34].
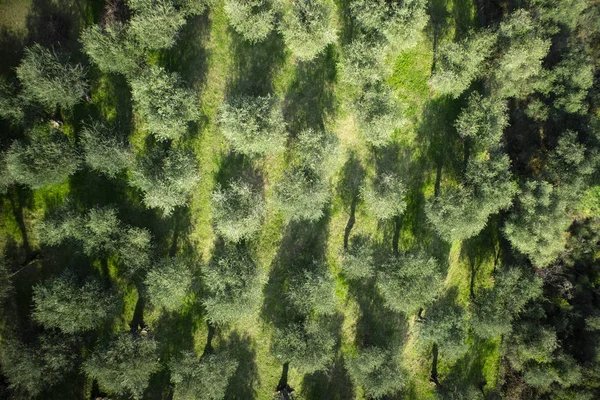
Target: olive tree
[385,196]
[165,106]
[446,326]
[123,365]
[253,19]
[317,149]
[34,368]
[234,286]
[483,121]
[530,341]
[313,290]
[357,260]
[148,15]
[64,304]
[301,195]
[169,283]
[400,22]
[111,48]
[538,225]
[378,115]
[165,178]
[363,63]
[409,282]
[254,125]
[206,377]
[308,27]
[239,210]
[48,78]
[377,371]
[460,63]
[307,346]
[11,107]
[48,158]
[493,311]
[103,152]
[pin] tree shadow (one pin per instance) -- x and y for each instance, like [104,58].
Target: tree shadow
[242,383]
[310,97]
[348,188]
[55,23]
[254,65]
[334,383]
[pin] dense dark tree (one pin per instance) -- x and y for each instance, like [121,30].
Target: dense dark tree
[308,27]
[254,125]
[357,260]
[239,210]
[206,377]
[164,104]
[123,365]
[301,194]
[169,283]
[409,282]
[308,346]
[49,79]
[166,178]
[483,121]
[11,107]
[253,19]
[103,152]
[385,196]
[234,284]
[530,342]
[377,371]
[5,281]
[571,79]
[313,290]
[48,157]
[65,304]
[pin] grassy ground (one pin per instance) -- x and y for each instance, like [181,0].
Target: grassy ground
[217,63]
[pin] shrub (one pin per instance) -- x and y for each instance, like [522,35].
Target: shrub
[254,125]
[308,28]
[239,210]
[49,79]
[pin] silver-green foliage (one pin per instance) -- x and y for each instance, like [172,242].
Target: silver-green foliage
[301,195]
[64,304]
[239,209]
[385,196]
[318,150]
[409,282]
[446,326]
[166,178]
[400,22]
[48,158]
[103,152]
[49,79]
[537,227]
[378,115]
[459,64]
[253,19]
[111,48]
[308,27]
[357,260]
[254,125]
[169,283]
[155,23]
[164,104]
[308,347]
[483,121]
[234,284]
[363,63]
[313,290]
[11,108]
[493,311]
[201,378]
[123,365]
[377,371]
